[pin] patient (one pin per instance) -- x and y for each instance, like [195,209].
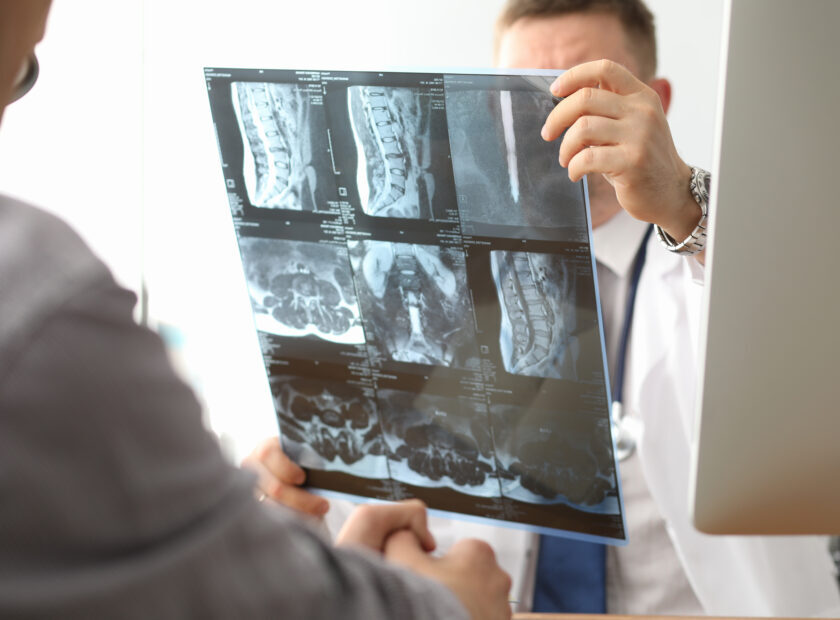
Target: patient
[117,502]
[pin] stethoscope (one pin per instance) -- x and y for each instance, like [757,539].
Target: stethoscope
[627,431]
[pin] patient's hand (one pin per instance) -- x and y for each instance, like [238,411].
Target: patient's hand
[370,525]
[400,532]
[469,569]
[279,479]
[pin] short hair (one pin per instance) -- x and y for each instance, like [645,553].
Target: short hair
[634,16]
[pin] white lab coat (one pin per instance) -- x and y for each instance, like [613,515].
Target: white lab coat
[733,575]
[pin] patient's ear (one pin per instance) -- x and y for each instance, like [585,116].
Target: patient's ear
[663,89]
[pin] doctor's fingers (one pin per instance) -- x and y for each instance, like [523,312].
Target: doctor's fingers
[591,131]
[602,74]
[585,102]
[610,161]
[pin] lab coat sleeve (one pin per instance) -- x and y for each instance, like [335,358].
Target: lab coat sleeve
[731,575]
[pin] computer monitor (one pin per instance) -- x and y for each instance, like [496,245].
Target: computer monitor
[767,457]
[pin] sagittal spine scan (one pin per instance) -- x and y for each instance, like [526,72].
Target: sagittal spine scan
[301,288]
[537,299]
[276,121]
[412,306]
[505,174]
[435,441]
[329,425]
[391,127]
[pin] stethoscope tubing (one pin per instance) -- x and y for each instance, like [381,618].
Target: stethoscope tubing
[625,440]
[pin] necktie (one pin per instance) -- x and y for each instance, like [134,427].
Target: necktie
[570,576]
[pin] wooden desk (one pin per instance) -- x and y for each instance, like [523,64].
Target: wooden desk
[608,617]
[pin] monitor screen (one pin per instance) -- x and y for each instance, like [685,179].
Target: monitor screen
[768,440]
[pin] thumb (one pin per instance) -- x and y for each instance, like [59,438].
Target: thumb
[404,548]
[371,525]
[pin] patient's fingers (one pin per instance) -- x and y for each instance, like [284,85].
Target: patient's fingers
[271,455]
[279,479]
[370,525]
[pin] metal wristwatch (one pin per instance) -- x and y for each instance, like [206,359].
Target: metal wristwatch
[696,241]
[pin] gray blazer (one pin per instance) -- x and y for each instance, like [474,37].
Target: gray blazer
[114,500]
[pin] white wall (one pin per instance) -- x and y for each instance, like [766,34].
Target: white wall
[689,39]
[194,274]
[120,112]
[73,144]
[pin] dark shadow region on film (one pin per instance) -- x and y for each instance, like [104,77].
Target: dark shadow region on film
[437,441]
[548,457]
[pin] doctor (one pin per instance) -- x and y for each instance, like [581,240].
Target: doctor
[651,281]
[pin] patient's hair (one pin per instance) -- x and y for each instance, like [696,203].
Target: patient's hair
[633,14]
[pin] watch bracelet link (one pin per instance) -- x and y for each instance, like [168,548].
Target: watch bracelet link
[696,241]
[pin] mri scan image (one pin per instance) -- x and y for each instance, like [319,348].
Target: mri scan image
[504,171]
[391,128]
[283,133]
[537,298]
[434,441]
[329,426]
[420,271]
[413,306]
[541,461]
[300,288]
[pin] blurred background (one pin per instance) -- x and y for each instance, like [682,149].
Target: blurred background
[117,138]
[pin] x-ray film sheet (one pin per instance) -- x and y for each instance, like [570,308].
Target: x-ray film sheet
[423,286]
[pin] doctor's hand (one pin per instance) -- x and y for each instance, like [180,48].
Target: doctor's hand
[615,126]
[469,569]
[370,525]
[279,479]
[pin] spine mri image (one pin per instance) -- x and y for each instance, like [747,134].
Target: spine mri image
[300,288]
[537,299]
[541,461]
[505,173]
[391,128]
[413,307]
[330,425]
[281,130]
[436,441]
